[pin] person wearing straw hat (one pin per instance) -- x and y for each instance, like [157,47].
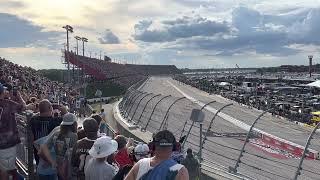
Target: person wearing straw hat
[98,168]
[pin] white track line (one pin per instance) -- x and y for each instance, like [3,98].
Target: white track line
[237,122]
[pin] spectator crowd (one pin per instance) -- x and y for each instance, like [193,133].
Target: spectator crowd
[65,150]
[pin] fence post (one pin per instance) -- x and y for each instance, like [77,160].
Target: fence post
[165,116]
[139,105]
[30,148]
[305,151]
[134,101]
[185,123]
[184,142]
[145,108]
[130,101]
[211,122]
[153,111]
[234,169]
[126,97]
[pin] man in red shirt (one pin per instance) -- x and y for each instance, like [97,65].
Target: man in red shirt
[122,156]
[9,136]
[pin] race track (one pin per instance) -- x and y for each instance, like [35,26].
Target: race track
[225,139]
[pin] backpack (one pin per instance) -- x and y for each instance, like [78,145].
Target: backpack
[166,170]
[62,147]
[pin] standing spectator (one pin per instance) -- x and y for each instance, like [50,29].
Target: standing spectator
[122,156]
[98,168]
[43,124]
[63,142]
[161,166]
[80,154]
[81,132]
[44,170]
[103,124]
[192,165]
[139,152]
[9,136]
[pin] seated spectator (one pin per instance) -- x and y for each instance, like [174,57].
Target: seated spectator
[98,168]
[9,136]
[63,142]
[80,154]
[161,166]
[122,156]
[192,165]
[44,123]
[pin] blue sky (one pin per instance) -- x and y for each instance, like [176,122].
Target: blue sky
[187,33]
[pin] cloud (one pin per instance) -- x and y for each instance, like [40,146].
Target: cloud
[248,31]
[12,4]
[184,27]
[17,32]
[109,38]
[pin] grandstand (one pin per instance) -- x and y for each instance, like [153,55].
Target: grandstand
[126,74]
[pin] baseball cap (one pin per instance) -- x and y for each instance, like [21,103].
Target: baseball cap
[164,138]
[141,149]
[2,88]
[103,147]
[68,119]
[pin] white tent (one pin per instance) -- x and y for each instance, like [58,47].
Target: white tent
[315,84]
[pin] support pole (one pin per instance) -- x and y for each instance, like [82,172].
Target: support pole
[305,151]
[139,105]
[234,169]
[154,110]
[184,142]
[185,123]
[166,115]
[127,98]
[133,102]
[211,122]
[145,107]
[129,103]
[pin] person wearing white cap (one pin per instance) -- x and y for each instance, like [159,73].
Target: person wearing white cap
[63,142]
[141,151]
[98,168]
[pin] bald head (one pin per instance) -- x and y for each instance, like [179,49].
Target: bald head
[45,107]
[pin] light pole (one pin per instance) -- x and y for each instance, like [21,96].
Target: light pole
[68,29]
[77,39]
[83,39]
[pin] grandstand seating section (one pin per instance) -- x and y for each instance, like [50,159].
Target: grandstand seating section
[122,74]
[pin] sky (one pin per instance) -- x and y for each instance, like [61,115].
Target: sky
[186,33]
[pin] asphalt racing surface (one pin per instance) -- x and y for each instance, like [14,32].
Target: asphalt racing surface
[224,139]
